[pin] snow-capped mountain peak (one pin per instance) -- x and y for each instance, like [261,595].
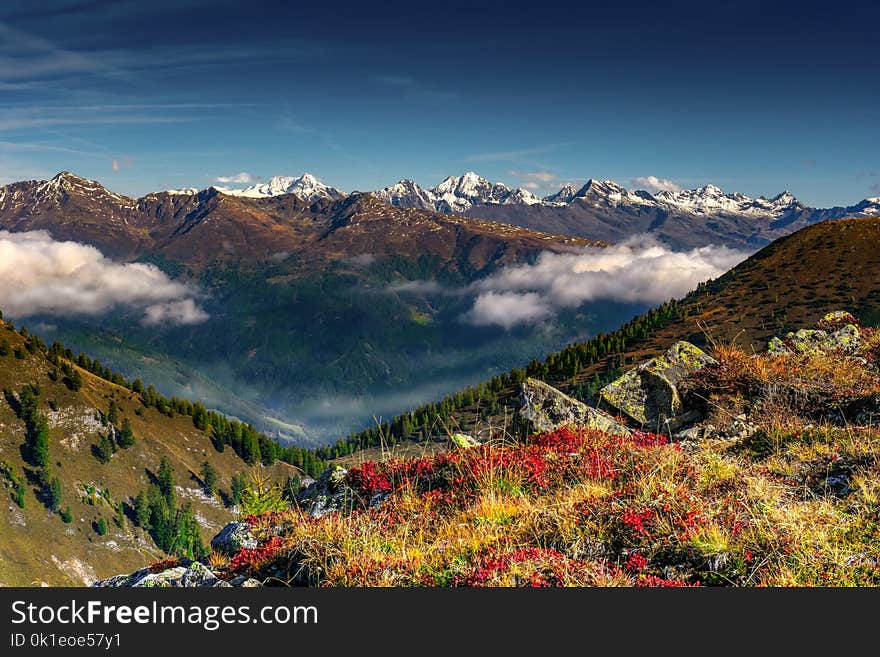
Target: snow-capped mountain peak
[406,193]
[563,196]
[307,187]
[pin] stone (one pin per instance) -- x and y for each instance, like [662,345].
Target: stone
[837,320]
[648,394]
[463,440]
[777,347]
[192,575]
[546,409]
[245,582]
[844,338]
[329,494]
[233,537]
[847,339]
[696,433]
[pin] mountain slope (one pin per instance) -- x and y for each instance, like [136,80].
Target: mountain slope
[36,545]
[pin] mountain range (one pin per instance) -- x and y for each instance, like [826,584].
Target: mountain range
[311,328]
[599,209]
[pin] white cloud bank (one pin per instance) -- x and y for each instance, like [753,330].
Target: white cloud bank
[638,270]
[41,276]
[654,184]
[241,177]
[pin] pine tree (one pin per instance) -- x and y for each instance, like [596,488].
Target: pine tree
[113,413]
[40,443]
[74,381]
[66,516]
[209,476]
[142,511]
[53,500]
[125,437]
[238,486]
[119,517]
[5,348]
[101,527]
[166,480]
[104,450]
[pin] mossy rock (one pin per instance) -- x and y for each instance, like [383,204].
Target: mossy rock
[544,408]
[648,394]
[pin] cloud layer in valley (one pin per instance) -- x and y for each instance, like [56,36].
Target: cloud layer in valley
[42,276]
[639,270]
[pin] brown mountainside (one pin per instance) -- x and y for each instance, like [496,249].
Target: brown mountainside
[201,228]
[36,545]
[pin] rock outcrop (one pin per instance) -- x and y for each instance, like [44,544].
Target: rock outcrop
[192,575]
[648,394]
[234,537]
[835,332]
[329,494]
[544,408]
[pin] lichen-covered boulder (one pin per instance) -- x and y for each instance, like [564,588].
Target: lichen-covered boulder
[329,494]
[847,339]
[648,394]
[192,575]
[463,441]
[545,408]
[842,338]
[837,320]
[233,537]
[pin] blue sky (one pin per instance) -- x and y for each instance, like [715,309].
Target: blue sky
[145,96]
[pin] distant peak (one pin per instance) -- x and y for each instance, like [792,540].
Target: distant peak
[785,197]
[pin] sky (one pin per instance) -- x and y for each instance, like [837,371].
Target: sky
[753,96]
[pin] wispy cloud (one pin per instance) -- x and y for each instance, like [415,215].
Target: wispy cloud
[120,163]
[24,57]
[395,80]
[414,88]
[655,184]
[535,179]
[11,122]
[240,177]
[514,155]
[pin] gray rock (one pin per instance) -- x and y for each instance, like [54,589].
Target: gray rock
[245,582]
[648,394]
[739,429]
[697,433]
[329,494]
[777,347]
[193,575]
[233,537]
[845,339]
[546,409]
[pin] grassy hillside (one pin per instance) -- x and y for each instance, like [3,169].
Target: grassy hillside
[36,544]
